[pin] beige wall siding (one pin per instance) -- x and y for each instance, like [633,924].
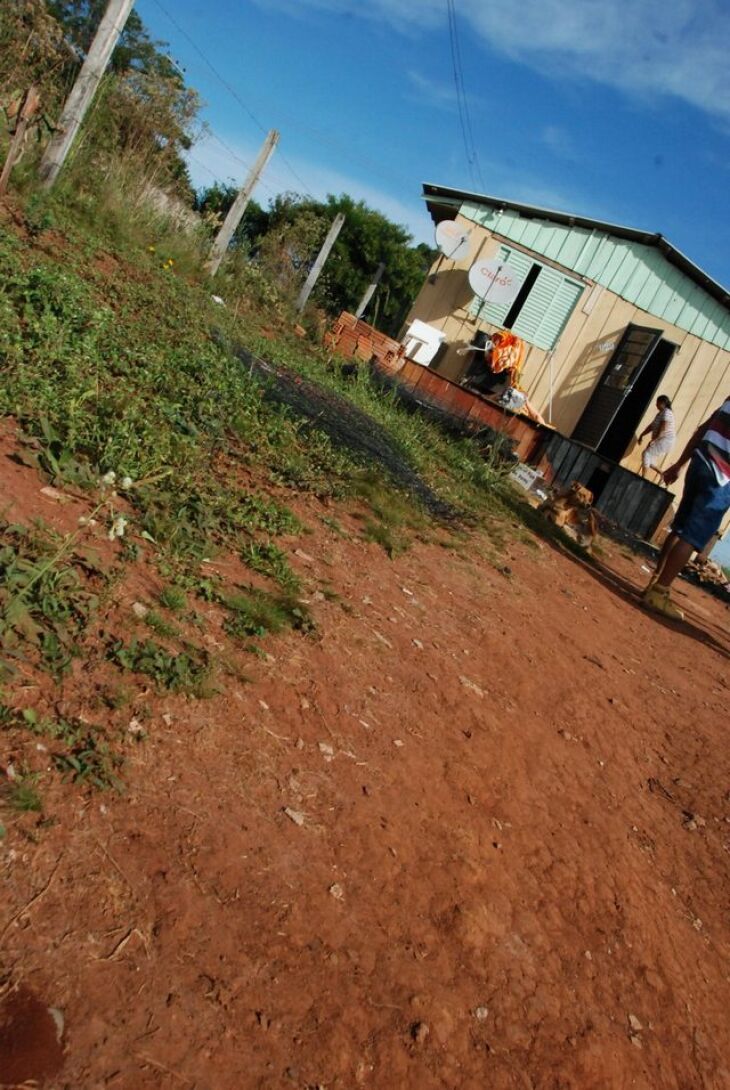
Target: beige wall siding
[697,379]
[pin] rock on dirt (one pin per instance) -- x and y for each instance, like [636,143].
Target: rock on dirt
[419,1032]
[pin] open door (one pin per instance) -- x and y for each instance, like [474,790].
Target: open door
[631,376]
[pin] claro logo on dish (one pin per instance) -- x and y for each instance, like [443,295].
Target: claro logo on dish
[504,280]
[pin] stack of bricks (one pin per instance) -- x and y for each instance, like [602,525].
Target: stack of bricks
[355,339]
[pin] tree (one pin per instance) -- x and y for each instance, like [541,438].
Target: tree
[144,108]
[285,239]
[215,202]
[366,239]
[135,50]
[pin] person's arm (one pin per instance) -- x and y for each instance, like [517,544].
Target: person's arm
[670,475]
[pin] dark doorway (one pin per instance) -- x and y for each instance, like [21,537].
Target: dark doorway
[624,391]
[638,397]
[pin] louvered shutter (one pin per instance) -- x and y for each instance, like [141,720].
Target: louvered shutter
[547,308]
[557,314]
[497,312]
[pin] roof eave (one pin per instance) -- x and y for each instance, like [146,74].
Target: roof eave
[445,197]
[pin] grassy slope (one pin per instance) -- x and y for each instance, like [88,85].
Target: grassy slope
[109,366]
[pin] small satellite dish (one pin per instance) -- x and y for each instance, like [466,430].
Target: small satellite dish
[494,281]
[452,239]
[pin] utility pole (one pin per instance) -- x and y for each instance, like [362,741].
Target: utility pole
[84,89]
[370,290]
[235,212]
[319,263]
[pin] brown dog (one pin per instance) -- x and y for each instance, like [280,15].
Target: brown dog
[572,510]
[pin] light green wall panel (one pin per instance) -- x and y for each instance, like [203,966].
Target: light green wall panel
[637,272]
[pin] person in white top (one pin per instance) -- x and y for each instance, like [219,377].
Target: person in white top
[663,432]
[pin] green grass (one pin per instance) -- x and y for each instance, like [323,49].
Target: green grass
[80,751]
[253,612]
[110,364]
[184,672]
[21,795]
[46,598]
[160,625]
[174,599]
[268,559]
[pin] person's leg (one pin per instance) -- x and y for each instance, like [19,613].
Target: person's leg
[700,513]
[675,560]
[669,543]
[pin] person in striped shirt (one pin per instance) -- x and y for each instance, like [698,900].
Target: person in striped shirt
[705,501]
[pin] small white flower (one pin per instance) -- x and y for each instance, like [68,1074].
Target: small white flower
[126,482]
[118,527]
[109,478]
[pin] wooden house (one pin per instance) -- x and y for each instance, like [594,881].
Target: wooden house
[611,317]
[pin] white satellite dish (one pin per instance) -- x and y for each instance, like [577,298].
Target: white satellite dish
[452,239]
[494,281]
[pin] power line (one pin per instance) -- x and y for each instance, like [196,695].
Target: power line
[462,101]
[232,153]
[231,90]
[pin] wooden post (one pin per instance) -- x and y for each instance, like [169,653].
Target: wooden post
[319,263]
[370,290]
[235,212]
[84,89]
[26,111]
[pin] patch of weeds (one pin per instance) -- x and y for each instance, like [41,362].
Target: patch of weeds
[184,672]
[393,542]
[173,598]
[20,794]
[44,601]
[52,456]
[130,552]
[329,593]
[332,524]
[253,612]
[160,626]
[194,518]
[267,559]
[85,756]
[395,515]
[117,696]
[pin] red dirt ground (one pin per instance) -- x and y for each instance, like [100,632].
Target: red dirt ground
[511,869]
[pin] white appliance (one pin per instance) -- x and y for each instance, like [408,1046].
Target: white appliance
[422,342]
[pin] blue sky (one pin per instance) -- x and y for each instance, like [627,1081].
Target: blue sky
[615,110]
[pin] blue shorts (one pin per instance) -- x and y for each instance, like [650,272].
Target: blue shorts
[703,504]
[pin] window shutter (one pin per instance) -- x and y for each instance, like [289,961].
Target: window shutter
[547,308]
[556,317]
[497,312]
[536,305]
[556,301]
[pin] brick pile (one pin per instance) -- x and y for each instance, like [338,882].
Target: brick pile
[708,572]
[355,339]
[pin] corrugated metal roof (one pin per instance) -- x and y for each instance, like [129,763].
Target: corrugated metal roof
[643,268]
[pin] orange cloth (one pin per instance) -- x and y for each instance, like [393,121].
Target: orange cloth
[507,354]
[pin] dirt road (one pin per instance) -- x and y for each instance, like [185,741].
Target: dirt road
[473,834]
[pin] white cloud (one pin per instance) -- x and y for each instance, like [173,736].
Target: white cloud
[431,92]
[210,160]
[645,47]
[559,142]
